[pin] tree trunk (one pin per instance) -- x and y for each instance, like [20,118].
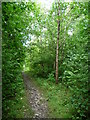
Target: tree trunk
[57,50]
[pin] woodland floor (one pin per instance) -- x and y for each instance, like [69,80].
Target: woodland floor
[35,98]
[46,99]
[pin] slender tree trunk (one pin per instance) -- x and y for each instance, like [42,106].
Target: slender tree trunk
[57,50]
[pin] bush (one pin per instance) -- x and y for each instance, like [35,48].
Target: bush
[51,77]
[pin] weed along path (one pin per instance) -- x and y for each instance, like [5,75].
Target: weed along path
[35,98]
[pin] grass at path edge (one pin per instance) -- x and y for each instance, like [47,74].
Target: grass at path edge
[58,97]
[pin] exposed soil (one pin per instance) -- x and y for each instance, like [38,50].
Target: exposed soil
[35,98]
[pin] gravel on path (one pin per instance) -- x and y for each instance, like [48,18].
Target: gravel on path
[36,99]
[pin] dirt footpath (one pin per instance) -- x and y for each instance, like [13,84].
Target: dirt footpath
[36,99]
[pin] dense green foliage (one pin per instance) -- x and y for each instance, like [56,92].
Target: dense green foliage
[13,30]
[29,40]
[73,52]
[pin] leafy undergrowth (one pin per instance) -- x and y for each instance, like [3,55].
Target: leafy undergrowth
[17,107]
[58,98]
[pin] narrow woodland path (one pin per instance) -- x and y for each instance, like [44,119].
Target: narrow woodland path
[36,99]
